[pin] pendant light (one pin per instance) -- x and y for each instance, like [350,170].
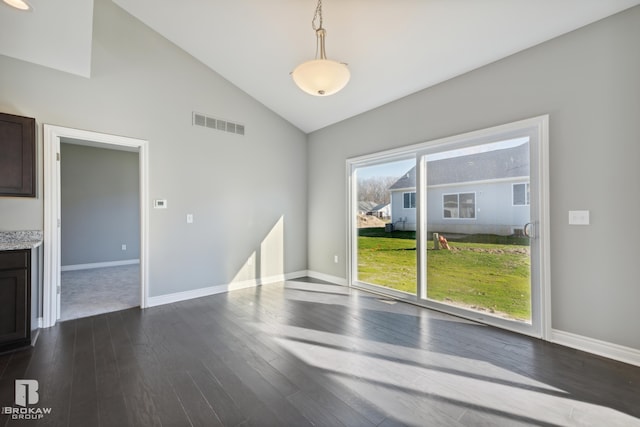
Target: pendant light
[321,76]
[18,4]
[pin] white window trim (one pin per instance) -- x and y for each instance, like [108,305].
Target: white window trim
[475,198]
[414,200]
[527,194]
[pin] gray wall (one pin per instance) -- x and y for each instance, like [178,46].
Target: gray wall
[247,193]
[588,82]
[100,204]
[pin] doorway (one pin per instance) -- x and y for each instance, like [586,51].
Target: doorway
[100,230]
[468,226]
[53,136]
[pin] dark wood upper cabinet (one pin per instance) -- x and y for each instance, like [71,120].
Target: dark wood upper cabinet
[17,156]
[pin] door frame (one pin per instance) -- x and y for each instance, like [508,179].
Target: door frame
[539,127]
[52,203]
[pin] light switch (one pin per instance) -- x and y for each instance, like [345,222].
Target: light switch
[189,218]
[578,217]
[160,204]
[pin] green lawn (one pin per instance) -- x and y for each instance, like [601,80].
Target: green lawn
[493,277]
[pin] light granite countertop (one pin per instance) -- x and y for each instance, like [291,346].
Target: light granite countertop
[24,239]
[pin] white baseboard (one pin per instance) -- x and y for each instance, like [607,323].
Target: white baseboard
[99,265]
[328,278]
[218,289]
[602,348]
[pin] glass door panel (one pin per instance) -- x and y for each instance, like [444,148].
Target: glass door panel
[477,213]
[385,218]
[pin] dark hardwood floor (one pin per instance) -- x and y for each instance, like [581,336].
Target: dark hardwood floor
[308,353]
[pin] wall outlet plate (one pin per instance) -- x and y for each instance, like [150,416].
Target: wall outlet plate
[579,217]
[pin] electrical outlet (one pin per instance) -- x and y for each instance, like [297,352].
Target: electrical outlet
[124,247]
[579,217]
[189,218]
[335,259]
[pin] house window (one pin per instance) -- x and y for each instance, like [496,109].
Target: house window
[409,200]
[521,194]
[459,205]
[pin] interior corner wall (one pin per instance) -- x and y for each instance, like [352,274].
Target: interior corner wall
[246,193]
[588,82]
[100,205]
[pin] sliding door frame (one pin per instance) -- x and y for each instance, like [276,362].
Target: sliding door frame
[538,129]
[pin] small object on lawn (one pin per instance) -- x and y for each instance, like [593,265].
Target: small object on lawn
[436,242]
[443,242]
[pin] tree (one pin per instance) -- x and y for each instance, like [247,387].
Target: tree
[376,189]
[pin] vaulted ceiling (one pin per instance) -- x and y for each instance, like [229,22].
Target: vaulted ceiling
[393,47]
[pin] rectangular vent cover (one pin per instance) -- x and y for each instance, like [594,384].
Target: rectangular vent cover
[218,124]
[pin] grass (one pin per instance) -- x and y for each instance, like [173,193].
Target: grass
[491,276]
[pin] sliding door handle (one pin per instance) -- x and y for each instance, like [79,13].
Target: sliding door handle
[527,229]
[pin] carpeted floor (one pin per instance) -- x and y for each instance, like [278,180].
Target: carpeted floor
[99,290]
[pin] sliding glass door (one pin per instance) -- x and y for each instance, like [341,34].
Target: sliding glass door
[464,228]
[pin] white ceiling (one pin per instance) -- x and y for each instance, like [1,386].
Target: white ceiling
[56,34]
[393,47]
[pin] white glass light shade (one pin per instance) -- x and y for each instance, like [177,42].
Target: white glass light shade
[321,77]
[18,4]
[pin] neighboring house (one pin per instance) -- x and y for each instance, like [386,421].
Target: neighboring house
[381,211]
[477,193]
[364,207]
[374,209]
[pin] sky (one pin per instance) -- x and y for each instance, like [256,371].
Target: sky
[395,169]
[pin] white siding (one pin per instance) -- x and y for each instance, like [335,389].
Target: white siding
[402,219]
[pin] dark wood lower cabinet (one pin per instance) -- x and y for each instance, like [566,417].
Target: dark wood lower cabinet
[15,299]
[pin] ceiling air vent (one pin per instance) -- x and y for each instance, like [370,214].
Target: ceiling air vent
[218,124]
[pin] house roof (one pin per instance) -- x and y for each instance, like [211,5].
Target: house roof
[504,163]
[365,206]
[379,207]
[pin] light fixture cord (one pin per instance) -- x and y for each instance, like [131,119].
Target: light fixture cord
[317,17]
[320,32]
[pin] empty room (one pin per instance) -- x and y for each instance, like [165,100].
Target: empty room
[329,213]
